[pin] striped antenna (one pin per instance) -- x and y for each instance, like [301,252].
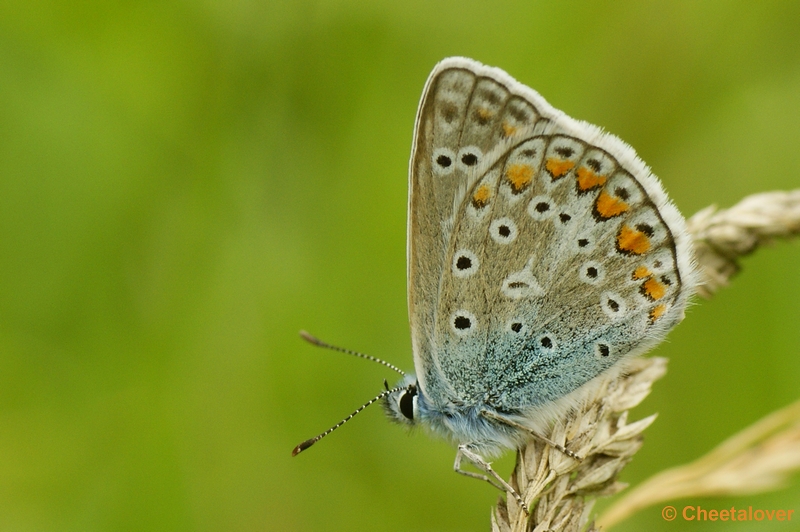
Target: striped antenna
[319,343]
[308,443]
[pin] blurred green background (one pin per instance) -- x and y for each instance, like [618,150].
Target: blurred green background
[185,185]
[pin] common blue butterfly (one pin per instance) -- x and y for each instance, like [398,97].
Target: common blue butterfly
[542,253]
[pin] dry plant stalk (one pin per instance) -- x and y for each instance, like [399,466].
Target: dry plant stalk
[722,236]
[560,491]
[757,459]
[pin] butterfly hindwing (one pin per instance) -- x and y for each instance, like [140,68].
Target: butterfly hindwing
[542,253]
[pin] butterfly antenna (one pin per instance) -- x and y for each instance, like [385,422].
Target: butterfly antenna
[319,343]
[308,443]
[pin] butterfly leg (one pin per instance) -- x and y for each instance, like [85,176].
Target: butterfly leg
[464,451]
[510,422]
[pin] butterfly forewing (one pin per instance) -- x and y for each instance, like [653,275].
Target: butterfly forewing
[444,164]
[538,252]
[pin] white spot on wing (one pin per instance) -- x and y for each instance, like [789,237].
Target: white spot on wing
[613,305]
[541,208]
[440,163]
[546,342]
[503,230]
[522,284]
[468,158]
[591,272]
[517,326]
[463,322]
[602,349]
[583,243]
[465,263]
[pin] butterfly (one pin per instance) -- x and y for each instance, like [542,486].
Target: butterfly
[542,253]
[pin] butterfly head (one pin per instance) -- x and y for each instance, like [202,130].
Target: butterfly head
[401,405]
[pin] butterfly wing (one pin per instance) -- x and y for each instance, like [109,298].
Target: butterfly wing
[541,250]
[447,155]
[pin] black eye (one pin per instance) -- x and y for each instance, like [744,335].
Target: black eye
[444,161]
[407,403]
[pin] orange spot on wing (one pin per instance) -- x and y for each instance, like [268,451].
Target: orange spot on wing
[657,312]
[483,115]
[519,176]
[607,206]
[631,241]
[481,197]
[587,180]
[654,289]
[641,272]
[508,129]
[558,167]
